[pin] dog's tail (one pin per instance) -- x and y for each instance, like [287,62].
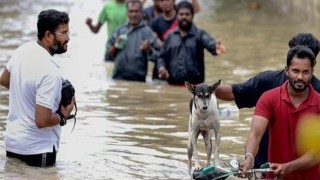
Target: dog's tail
[190,105]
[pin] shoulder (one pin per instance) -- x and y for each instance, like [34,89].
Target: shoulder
[270,76]
[148,10]
[270,97]
[121,29]
[272,92]
[147,29]
[109,6]
[38,52]
[202,34]
[173,36]
[274,73]
[261,82]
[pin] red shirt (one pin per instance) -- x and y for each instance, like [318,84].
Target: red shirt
[277,107]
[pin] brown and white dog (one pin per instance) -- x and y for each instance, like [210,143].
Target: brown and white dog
[203,119]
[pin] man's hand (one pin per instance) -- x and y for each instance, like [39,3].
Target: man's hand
[163,73]
[145,46]
[66,111]
[245,166]
[220,49]
[279,169]
[89,21]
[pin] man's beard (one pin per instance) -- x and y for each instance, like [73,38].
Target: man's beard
[185,26]
[298,89]
[57,48]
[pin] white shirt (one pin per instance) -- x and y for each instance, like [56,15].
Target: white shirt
[34,79]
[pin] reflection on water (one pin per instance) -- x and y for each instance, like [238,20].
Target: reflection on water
[129,130]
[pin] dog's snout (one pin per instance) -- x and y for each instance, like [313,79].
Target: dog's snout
[205,107]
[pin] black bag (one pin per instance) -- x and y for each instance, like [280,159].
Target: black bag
[67,92]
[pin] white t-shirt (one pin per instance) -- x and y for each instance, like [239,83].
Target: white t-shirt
[34,79]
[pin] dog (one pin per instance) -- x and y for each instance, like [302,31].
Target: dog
[203,119]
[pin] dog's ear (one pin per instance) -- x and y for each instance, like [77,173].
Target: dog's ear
[189,86]
[215,85]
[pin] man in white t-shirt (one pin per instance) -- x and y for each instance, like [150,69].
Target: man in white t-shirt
[34,126]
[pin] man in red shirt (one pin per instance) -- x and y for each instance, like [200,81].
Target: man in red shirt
[281,109]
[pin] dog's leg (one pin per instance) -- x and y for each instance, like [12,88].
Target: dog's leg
[190,152]
[217,140]
[194,138]
[208,145]
[190,148]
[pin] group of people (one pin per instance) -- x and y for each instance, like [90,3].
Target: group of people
[282,98]
[164,34]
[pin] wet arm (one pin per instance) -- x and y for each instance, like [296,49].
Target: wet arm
[94,28]
[306,161]
[5,78]
[163,55]
[163,60]
[111,49]
[258,127]
[224,92]
[208,42]
[154,53]
[45,118]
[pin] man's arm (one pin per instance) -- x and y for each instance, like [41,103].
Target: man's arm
[44,117]
[93,28]
[306,161]
[224,92]
[247,93]
[111,49]
[150,45]
[5,78]
[162,60]
[213,46]
[258,127]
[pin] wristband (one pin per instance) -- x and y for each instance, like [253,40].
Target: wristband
[252,159]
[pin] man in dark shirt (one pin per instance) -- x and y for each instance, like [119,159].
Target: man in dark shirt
[132,45]
[166,22]
[247,94]
[152,12]
[182,54]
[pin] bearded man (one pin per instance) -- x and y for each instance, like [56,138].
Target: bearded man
[182,54]
[35,115]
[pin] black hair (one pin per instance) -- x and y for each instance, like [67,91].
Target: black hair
[306,39]
[185,4]
[300,52]
[134,2]
[49,20]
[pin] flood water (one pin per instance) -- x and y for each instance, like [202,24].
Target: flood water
[128,130]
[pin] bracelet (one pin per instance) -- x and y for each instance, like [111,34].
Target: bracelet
[252,159]
[63,120]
